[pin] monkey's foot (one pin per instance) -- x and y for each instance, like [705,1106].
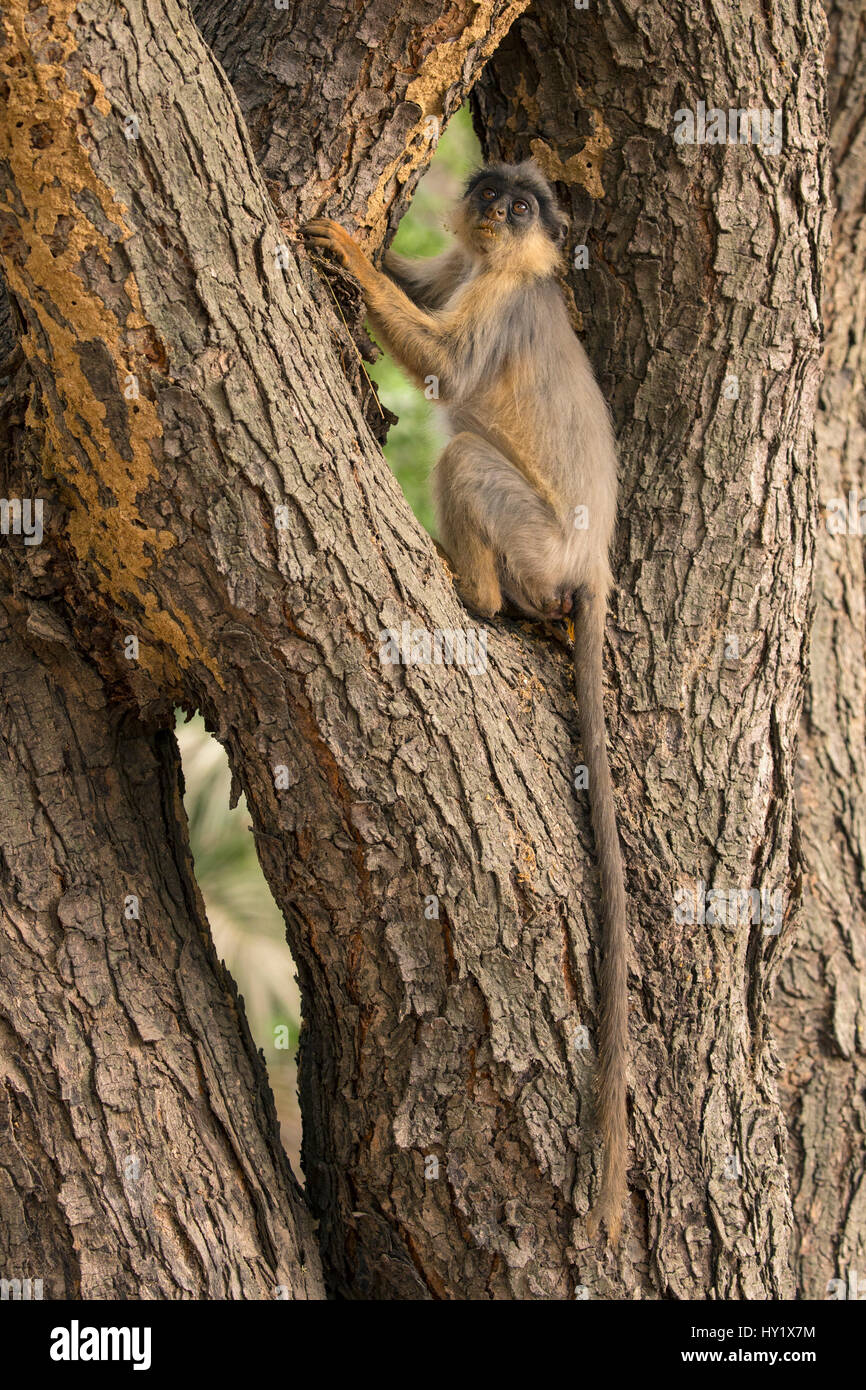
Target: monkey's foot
[563,635]
[559,606]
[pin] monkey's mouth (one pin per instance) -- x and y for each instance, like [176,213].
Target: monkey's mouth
[486,229]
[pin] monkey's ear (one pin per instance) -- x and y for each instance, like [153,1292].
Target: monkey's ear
[561,229]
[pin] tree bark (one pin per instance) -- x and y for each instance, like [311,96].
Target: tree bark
[450,1149]
[344,104]
[704,268]
[141,1156]
[819,1014]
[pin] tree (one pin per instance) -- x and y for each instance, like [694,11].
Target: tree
[222,533]
[819,1014]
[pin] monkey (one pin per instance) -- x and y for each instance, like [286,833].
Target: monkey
[524,493]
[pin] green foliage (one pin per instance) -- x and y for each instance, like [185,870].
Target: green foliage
[415,442]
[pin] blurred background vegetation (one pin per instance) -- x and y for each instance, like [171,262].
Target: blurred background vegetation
[416,441]
[247,926]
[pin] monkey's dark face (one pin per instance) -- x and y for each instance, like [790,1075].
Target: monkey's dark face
[498,208]
[506,204]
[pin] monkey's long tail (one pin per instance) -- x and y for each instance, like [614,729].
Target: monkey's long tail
[613,1035]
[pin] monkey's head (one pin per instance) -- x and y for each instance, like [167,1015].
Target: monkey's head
[509,211]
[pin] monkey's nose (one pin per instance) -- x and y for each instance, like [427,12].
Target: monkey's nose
[498,213]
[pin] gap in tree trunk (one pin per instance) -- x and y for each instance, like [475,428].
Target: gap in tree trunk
[415,442]
[247,926]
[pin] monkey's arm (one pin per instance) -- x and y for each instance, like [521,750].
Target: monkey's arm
[414,336]
[429,282]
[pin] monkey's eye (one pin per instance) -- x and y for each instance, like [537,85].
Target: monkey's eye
[488,193]
[520,207]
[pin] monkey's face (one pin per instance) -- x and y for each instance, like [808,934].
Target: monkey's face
[506,207]
[497,211]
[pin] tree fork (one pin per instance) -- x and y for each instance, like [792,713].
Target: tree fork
[241,521]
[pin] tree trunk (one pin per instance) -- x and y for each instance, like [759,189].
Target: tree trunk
[344,104]
[417,823]
[699,307]
[140,1141]
[819,1014]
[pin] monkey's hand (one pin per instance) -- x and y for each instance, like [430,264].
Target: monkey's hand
[321,231]
[414,336]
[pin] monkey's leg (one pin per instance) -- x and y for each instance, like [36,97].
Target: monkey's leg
[486,509]
[472,559]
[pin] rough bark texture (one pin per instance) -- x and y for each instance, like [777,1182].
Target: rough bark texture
[820,1010]
[704,264]
[141,1156]
[446,1036]
[345,103]
[457,1038]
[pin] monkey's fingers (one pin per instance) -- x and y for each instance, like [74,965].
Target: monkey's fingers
[321,226]
[318,234]
[321,231]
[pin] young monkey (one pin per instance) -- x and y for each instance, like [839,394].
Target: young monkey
[525,491]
